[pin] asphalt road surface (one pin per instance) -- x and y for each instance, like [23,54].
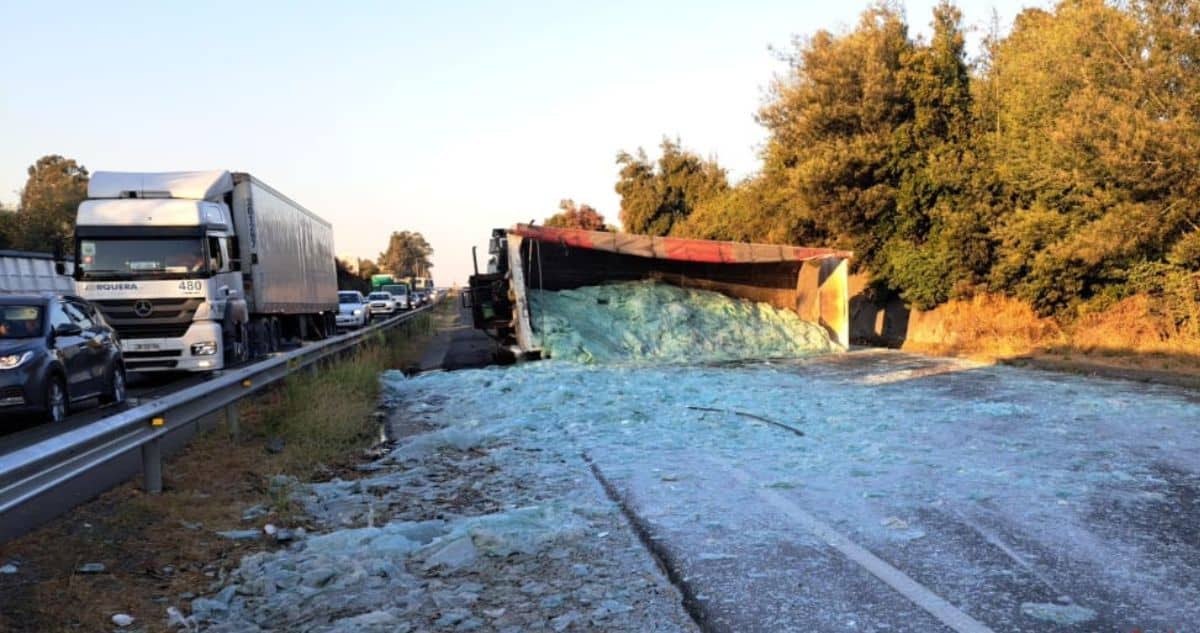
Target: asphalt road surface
[918,494]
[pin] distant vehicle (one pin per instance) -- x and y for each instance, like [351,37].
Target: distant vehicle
[401,294]
[56,350]
[23,273]
[421,297]
[382,304]
[381,280]
[353,311]
[200,270]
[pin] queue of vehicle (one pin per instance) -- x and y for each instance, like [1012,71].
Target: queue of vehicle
[174,271]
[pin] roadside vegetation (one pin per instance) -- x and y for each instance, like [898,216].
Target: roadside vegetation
[162,550]
[1056,170]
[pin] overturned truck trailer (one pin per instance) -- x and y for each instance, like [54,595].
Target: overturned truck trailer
[812,282]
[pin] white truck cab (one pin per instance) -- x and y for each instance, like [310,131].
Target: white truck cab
[160,254]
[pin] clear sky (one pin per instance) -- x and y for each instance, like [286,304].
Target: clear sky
[447,118]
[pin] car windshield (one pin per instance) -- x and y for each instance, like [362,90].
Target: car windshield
[20,321]
[348,297]
[142,258]
[379,296]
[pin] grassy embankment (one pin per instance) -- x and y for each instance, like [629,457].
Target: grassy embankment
[158,549]
[1133,338]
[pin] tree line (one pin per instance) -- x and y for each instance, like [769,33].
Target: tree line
[408,254]
[1059,168]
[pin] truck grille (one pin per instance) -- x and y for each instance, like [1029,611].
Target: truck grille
[153,364]
[167,353]
[167,318]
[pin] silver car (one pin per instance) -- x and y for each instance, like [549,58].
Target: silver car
[382,304]
[353,310]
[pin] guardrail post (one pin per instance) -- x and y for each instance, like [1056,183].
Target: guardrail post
[232,421]
[152,466]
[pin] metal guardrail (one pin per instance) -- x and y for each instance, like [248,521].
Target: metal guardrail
[31,475]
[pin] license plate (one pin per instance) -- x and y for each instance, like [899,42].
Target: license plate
[142,347]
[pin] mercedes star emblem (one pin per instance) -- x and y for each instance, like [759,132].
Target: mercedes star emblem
[143,308]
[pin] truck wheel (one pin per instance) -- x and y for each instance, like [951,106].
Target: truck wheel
[236,345]
[242,343]
[116,387]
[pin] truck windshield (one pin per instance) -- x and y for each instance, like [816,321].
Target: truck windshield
[20,321]
[174,258]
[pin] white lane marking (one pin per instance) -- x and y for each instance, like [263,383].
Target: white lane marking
[917,593]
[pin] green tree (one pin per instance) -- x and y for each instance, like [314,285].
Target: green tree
[49,202]
[1096,123]
[759,209]
[572,216]
[1061,170]
[367,268]
[655,196]
[833,121]
[940,239]
[8,227]
[407,254]
[348,278]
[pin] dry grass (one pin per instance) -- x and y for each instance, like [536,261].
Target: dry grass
[1133,325]
[987,327]
[1131,334]
[159,548]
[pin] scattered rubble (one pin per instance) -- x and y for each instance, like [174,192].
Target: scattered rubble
[443,533]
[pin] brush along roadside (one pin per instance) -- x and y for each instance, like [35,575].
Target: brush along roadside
[1133,339]
[127,552]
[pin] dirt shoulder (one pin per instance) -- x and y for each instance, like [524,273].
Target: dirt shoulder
[449,533]
[1138,368]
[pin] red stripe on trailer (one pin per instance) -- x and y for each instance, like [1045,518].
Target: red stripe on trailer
[676,248]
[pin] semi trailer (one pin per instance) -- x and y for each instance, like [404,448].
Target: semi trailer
[812,282]
[24,272]
[200,270]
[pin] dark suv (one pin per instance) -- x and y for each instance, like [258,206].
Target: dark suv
[56,350]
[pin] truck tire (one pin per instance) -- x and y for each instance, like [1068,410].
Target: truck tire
[260,339]
[237,344]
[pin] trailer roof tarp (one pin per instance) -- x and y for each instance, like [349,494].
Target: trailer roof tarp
[676,248]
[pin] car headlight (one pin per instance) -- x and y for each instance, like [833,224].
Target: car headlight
[13,361]
[206,348]
[357,312]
